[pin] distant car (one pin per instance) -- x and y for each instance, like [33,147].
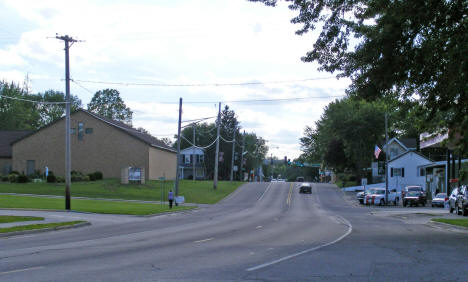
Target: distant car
[274,180]
[414,198]
[414,188]
[300,179]
[461,205]
[281,180]
[439,200]
[453,199]
[305,188]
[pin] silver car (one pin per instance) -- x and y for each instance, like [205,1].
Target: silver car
[453,199]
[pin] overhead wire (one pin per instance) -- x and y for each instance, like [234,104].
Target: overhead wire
[33,101]
[203,84]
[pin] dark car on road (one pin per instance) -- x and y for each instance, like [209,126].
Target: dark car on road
[305,188]
[461,204]
[414,198]
[439,200]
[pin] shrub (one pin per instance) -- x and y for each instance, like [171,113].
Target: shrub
[60,179]
[22,178]
[78,176]
[98,175]
[14,172]
[5,178]
[51,177]
[92,177]
[12,177]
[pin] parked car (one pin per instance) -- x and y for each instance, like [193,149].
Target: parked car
[376,196]
[361,195]
[461,205]
[300,179]
[453,199]
[414,198]
[305,188]
[439,200]
[413,188]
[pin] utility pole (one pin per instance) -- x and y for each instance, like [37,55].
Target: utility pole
[215,178]
[67,41]
[233,150]
[193,155]
[242,158]
[386,159]
[176,183]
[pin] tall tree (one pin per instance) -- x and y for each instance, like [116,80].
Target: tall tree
[17,114]
[415,50]
[109,104]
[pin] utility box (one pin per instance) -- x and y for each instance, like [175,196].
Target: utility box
[132,175]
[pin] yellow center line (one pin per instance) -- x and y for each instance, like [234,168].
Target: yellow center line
[288,201]
[20,270]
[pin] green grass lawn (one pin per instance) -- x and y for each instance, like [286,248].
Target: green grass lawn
[200,192]
[12,218]
[37,226]
[458,221]
[94,206]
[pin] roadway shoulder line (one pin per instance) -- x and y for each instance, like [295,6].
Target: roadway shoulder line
[350,229]
[21,270]
[266,190]
[204,240]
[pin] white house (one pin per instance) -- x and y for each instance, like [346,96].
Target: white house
[407,169]
[192,158]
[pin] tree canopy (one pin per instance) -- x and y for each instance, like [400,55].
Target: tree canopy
[414,50]
[109,104]
[18,114]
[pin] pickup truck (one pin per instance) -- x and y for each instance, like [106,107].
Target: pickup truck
[376,196]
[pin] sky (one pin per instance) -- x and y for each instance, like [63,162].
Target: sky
[144,48]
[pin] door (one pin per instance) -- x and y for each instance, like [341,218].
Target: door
[30,167]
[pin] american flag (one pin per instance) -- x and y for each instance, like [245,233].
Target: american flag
[377,151]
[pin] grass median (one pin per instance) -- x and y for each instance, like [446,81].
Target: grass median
[458,222]
[200,192]
[94,206]
[13,218]
[38,226]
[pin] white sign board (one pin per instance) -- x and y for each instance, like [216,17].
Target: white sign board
[180,200]
[364,181]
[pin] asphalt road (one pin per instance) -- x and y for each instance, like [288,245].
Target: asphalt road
[263,231]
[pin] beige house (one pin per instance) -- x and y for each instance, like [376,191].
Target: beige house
[97,144]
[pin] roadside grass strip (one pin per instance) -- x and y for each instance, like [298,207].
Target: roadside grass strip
[458,222]
[38,226]
[93,206]
[13,218]
[199,192]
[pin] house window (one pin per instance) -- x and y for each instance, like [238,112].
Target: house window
[201,158]
[393,152]
[187,159]
[89,130]
[30,167]
[80,131]
[422,171]
[72,131]
[397,172]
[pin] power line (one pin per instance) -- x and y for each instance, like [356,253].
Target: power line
[81,86]
[195,120]
[204,84]
[32,101]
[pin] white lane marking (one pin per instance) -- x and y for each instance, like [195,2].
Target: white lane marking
[21,270]
[204,240]
[266,190]
[350,229]
[258,227]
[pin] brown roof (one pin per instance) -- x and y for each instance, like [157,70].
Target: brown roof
[147,138]
[144,137]
[8,137]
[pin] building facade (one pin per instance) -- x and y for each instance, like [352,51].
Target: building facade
[97,144]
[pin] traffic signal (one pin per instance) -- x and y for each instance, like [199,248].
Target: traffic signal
[285,160]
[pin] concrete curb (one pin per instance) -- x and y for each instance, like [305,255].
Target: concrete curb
[11,234]
[446,226]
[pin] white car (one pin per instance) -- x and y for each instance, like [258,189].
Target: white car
[376,196]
